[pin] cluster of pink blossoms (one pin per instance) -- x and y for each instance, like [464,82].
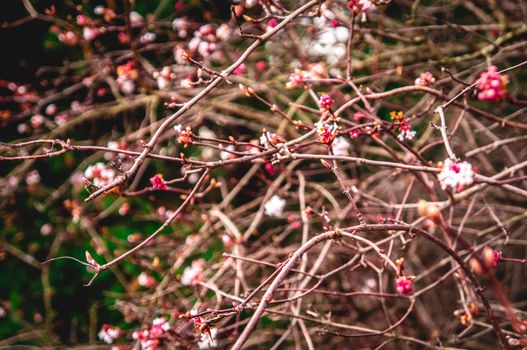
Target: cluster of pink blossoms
[403,285]
[150,339]
[184,135]
[158,182]
[298,77]
[164,77]
[206,38]
[492,85]
[425,79]
[325,102]
[126,76]
[109,334]
[326,132]
[193,273]
[456,175]
[99,174]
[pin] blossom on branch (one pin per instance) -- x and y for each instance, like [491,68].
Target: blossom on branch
[325,102]
[403,285]
[492,85]
[158,182]
[456,175]
[274,206]
[99,174]
[326,132]
[109,334]
[425,79]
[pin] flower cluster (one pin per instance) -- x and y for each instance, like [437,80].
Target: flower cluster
[151,338]
[184,135]
[226,152]
[274,206]
[402,125]
[296,79]
[403,285]
[126,76]
[158,182]
[193,273]
[492,85]
[209,340]
[361,5]
[109,334]
[331,40]
[164,77]
[456,175]
[326,132]
[145,280]
[425,79]
[491,257]
[33,177]
[99,174]
[206,38]
[325,102]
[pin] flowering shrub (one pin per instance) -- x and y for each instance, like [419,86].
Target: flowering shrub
[264,174]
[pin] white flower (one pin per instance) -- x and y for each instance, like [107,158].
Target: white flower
[46,229]
[89,33]
[99,174]
[33,177]
[178,128]
[37,121]
[340,146]
[406,134]
[226,155]
[144,280]
[127,85]
[108,333]
[99,10]
[147,37]
[274,206]
[208,341]
[456,175]
[192,273]
[135,19]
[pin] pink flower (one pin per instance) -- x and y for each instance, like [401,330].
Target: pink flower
[456,175]
[109,333]
[403,285]
[227,240]
[425,79]
[325,102]
[100,174]
[270,169]
[159,326]
[145,280]
[296,79]
[359,116]
[492,85]
[361,5]
[261,65]
[353,134]
[193,273]
[273,22]
[90,34]
[239,70]
[491,257]
[51,109]
[158,182]
[326,132]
